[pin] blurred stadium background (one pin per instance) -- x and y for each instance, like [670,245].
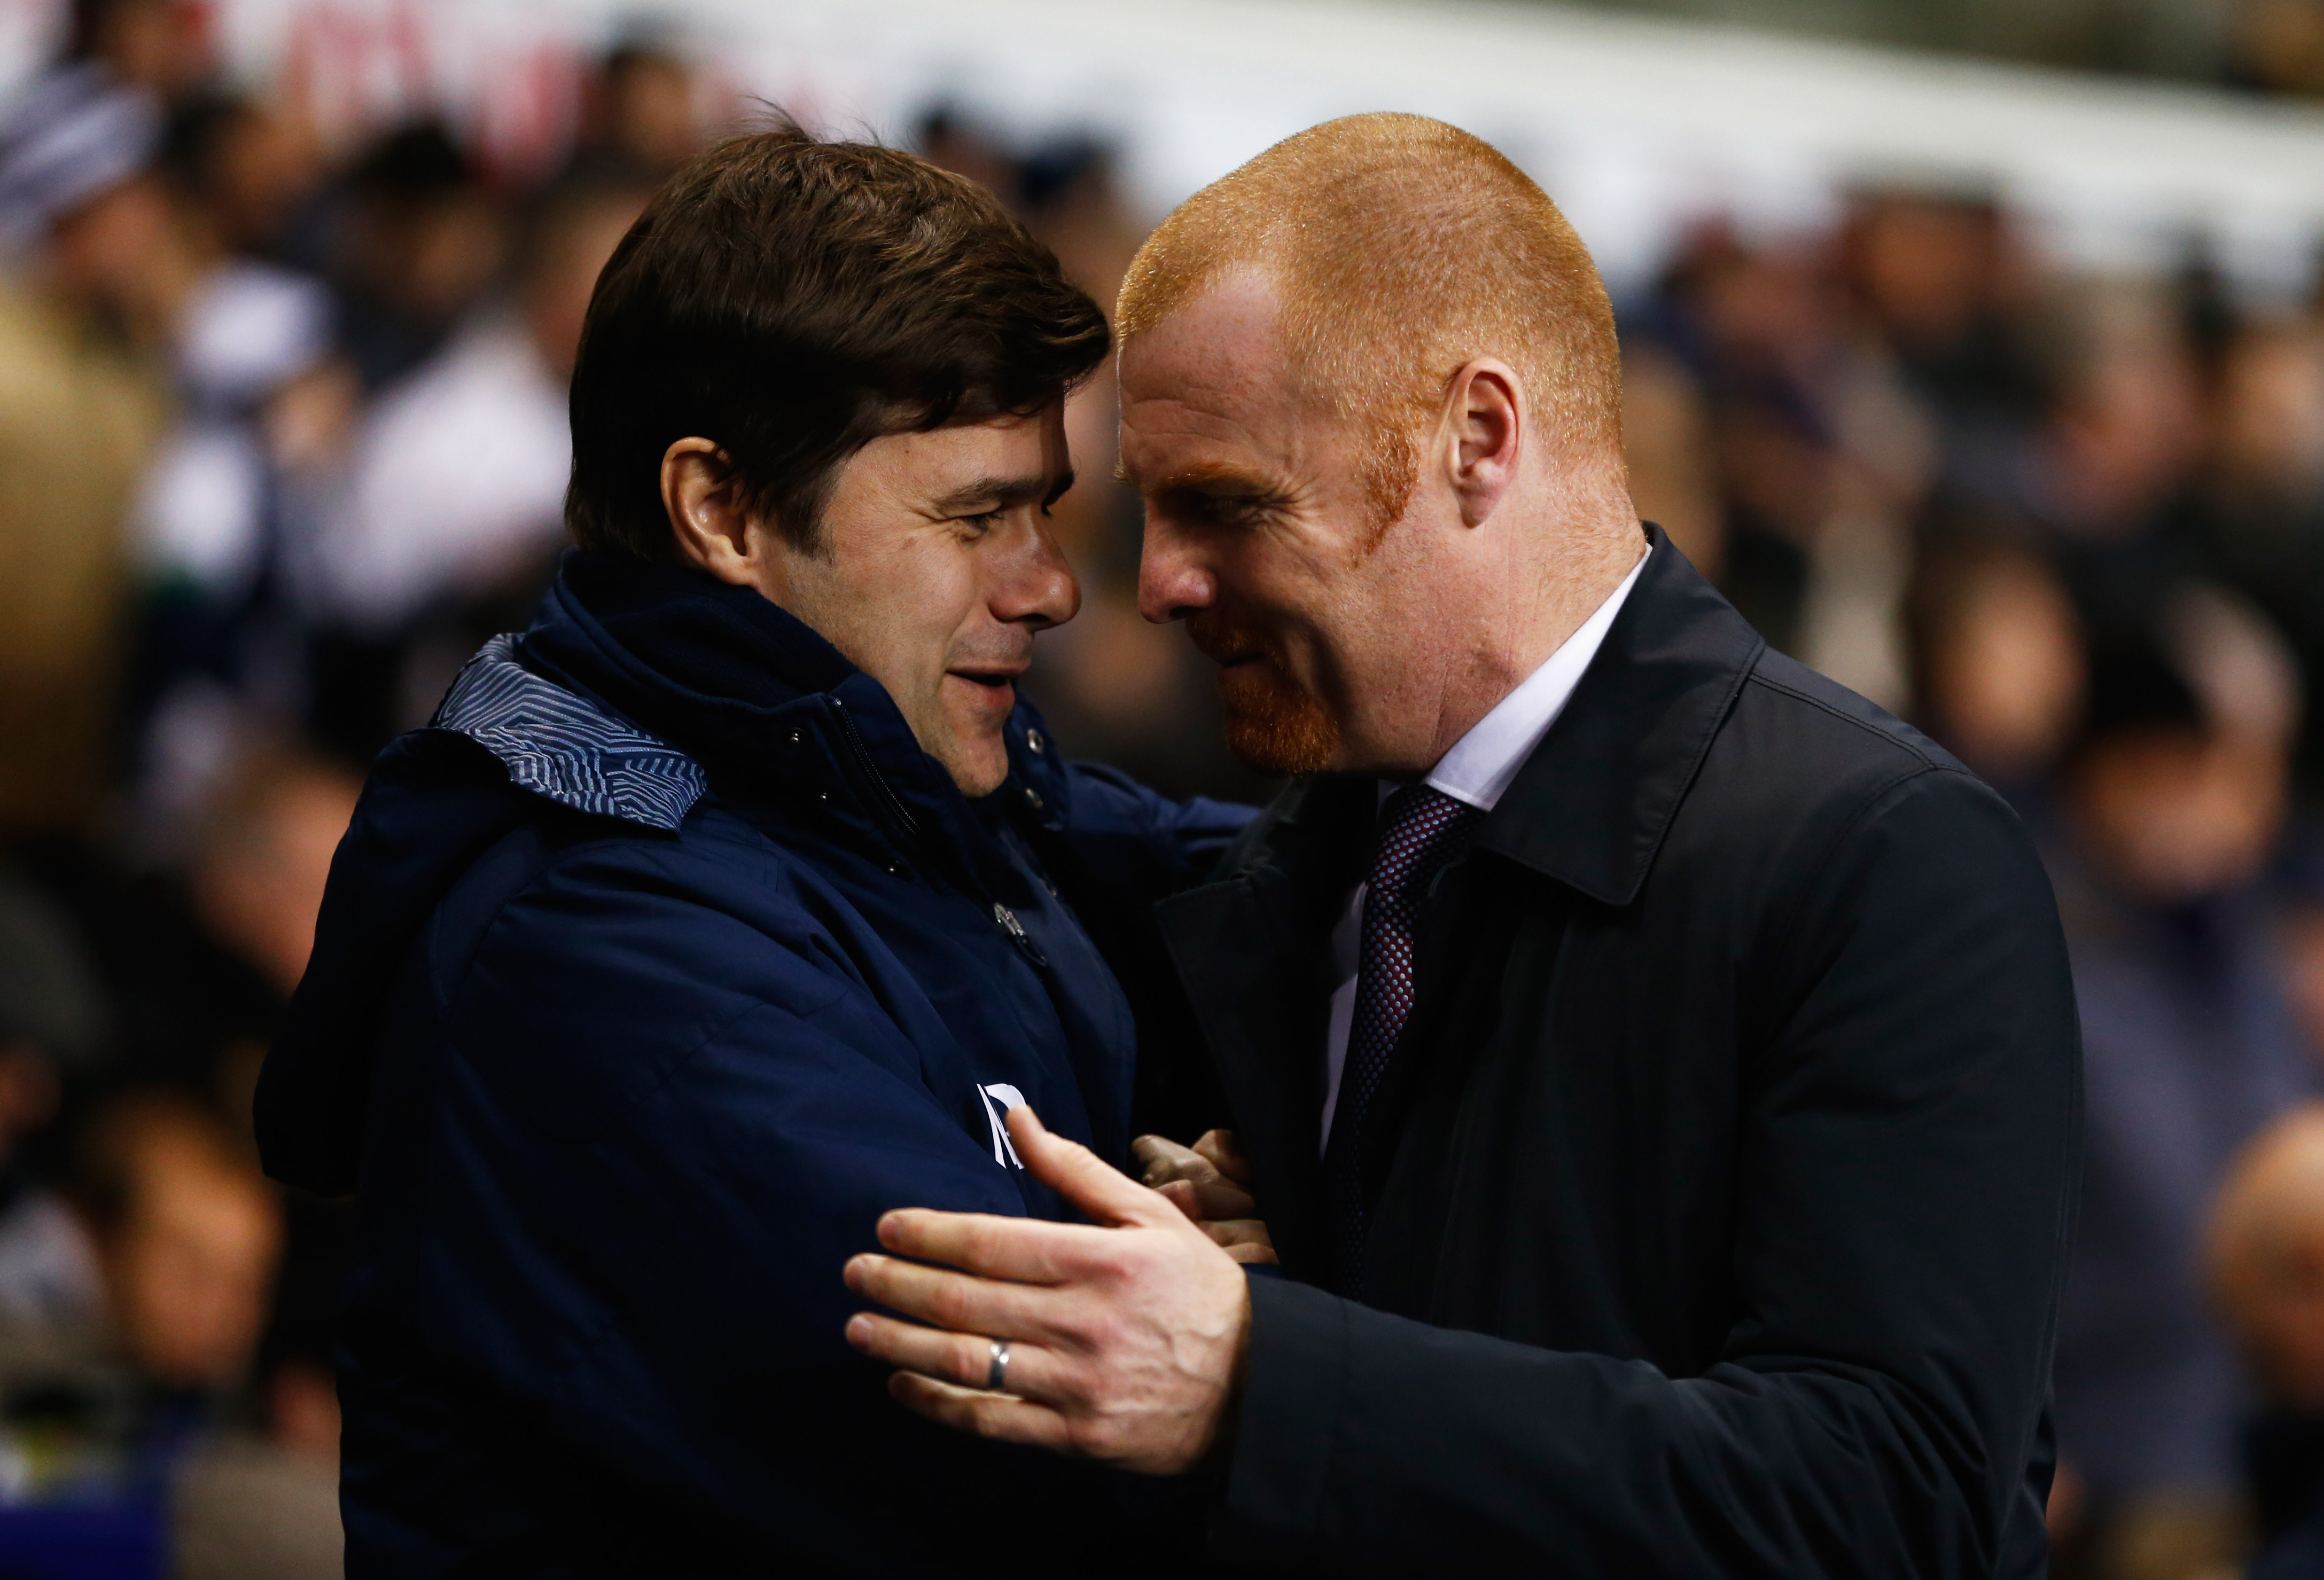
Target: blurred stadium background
[1973,345]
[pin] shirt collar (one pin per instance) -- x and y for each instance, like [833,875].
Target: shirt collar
[1481,764]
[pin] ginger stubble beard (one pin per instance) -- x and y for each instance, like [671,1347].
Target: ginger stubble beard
[1274,724]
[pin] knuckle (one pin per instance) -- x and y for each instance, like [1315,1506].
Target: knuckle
[949,1304]
[972,1360]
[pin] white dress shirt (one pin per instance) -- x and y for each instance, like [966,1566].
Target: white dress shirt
[1477,770]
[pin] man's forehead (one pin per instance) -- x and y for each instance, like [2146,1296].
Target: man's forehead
[1222,345]
[1207,401]
[972,458]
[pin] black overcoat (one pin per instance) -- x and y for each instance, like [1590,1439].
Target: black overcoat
[1722,1179]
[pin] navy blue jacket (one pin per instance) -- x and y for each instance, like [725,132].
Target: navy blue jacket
[648,977]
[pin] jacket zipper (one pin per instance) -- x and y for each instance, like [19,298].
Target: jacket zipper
[1001,913]
[871,771]
[1017,935]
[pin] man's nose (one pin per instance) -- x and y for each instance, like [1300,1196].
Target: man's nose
[1041,586]
[1173,579]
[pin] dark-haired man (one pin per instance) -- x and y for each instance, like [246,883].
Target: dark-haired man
[733,904]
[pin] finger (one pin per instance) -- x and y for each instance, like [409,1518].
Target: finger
[1225,1201]
[991,1308]
[1202,1203]
[1163,1160]
[1263,1255]
[1238,1232]
[1083,1178]
[987,1415]
[962,1359]
[1218,1148]
[1180,1194]
[1026,1250]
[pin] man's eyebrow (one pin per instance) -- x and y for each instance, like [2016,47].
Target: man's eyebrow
[1000,493]
[1212,477]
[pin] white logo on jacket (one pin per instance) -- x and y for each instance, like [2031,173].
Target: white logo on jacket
[999,1098]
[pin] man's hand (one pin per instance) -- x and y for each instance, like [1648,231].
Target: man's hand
[1125,1341]
[1210,1183]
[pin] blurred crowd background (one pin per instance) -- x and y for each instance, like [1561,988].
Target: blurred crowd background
[283,440]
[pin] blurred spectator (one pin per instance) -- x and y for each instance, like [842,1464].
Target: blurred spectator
[135,1345]
[1666,439]
[164,47]
[188,1236]
[1795,463]
[246,341]
[451,517]
[2172,794]
[1944,288]
[52,1021]
[2125,428]
[2267,1269]
[252,171]
[641,112]
[2262,493]
[2000,664]
[949,140]
[82,401]
[419,240]
[263,854]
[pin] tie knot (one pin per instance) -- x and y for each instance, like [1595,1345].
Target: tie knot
[1421,830]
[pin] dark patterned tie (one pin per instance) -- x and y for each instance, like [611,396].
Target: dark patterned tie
[1421,831]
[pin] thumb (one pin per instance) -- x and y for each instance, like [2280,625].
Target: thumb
[1109,1196]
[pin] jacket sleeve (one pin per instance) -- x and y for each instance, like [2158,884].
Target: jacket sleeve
[1157,845]
[1903,1198]
[660,1131]
[1126,848]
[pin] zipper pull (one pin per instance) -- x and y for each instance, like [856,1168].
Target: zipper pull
[1017,933]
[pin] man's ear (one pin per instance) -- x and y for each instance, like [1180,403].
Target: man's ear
[1487,436]
[706,514]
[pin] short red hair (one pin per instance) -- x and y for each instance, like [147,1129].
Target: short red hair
[1404,248]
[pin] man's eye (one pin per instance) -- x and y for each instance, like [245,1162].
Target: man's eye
[983,521]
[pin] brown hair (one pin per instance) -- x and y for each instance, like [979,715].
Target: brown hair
[1402,248]
[790,300]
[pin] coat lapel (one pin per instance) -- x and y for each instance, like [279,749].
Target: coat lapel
[1253,953]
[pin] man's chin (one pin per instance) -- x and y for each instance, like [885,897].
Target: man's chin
[1274,728]
[979,770]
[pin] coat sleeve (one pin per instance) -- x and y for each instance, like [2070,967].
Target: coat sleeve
[660,1131]
[1903,1189]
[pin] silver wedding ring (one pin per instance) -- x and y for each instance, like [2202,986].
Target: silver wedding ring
[997,1373]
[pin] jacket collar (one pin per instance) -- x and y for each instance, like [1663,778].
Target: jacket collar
[638,688]
[560,745]
[1592,804]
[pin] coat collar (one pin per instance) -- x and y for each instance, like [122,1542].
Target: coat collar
[1592,804]
[1595,796]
